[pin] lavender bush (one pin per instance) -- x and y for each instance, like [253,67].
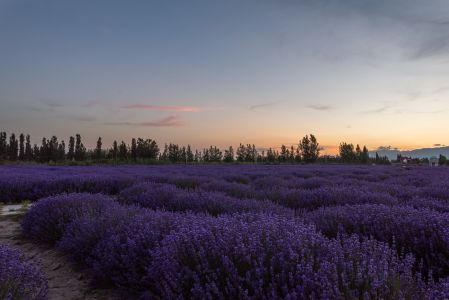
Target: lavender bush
[170,198]
[123,256]
[19,279]
[82,235]
[421,232]
[270,257]
[47,219]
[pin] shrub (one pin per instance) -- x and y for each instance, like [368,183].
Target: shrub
[167,197]
[122,257]
[332,196]
[47,219]
[422,232]
[20,279]
[269,257]
[83,234]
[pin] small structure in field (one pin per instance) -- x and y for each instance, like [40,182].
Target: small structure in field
[433,161]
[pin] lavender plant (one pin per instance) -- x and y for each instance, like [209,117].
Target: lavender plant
[46,221]
[422,232]
[20,280]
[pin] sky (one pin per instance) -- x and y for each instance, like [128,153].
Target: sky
[373,72]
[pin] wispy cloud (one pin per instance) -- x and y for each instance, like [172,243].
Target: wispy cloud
[320,107]
[171,121]
[51,103]
[162,107]
[377,110]
[83,118]
[387,148]
[263,105]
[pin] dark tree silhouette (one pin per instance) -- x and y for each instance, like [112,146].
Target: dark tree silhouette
[13,147]
[80,150]
[71,153]
[28,148]
[21,147]
[98,151]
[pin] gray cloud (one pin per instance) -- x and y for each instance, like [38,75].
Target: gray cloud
[320,107]
[386,148]
[377,110]
[83,118]
[263,105]
[51,103]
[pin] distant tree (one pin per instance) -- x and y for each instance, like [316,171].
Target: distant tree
[28,148]
[358,153]
[309,148]
[80,150]
[297,155]
[44,153]
[147,149]
[52,149]
[241,150]
[13,147]
[215,155]
[365,155]
[183,154]
[347,153]
[133,149]
[284,154]
[291,158]
[123,151]
[382,160]
[173,153]
[198,157]
[21,147]
[61,150]
[164,154]
[442,160]
[114,150]
[36,152]
[205,155]
[71,151]
[189,154]
[271,155]
[98,151]
[228,155]
[3,146]
[250,153]
[260,157]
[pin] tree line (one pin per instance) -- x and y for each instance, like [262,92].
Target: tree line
[146,150]
[350,154]
[53,150]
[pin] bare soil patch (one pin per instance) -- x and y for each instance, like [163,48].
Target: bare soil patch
[65,281]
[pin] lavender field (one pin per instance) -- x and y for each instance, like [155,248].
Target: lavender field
[241,231]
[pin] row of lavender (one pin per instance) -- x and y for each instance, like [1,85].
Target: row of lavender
[298,187]
[357,212]
[252,255]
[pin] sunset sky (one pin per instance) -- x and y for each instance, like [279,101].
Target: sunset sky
[373,72]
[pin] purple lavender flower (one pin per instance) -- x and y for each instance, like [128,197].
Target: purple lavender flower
[48,218]
[20,279]
[270,257]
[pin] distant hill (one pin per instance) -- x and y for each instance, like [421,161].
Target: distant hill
[417,153]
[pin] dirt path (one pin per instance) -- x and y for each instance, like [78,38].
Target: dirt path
[64,281]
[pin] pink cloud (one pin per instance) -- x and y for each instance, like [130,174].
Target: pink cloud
[171,121]
[163,107]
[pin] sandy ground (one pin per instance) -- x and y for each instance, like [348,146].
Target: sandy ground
[64,280]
